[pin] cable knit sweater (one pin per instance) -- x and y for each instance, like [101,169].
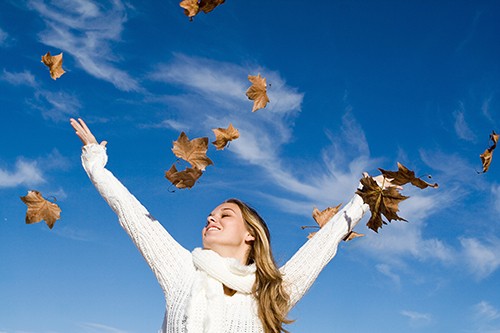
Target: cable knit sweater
[173,265]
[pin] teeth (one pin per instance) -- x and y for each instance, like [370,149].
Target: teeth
[213,228]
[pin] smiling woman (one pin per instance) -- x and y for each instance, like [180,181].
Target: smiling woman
[232,284]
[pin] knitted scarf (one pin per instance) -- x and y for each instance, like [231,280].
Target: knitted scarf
[205,307]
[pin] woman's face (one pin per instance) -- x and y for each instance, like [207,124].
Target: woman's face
[226,229]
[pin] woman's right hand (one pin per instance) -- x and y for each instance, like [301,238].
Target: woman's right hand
[84,132]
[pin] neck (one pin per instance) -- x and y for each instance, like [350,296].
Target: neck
[239,253]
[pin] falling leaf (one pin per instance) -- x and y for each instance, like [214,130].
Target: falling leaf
[487,156]
[183,179]
[208,5]
[351,235]
[382,201]
[257,92]
[322,217]
[192,151]
[55,64]
[404,176]
[40,209]
[191,8]
[224,135]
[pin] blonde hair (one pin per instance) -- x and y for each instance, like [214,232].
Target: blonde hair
[272,299]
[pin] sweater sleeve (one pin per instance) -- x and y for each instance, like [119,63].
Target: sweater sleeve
[169,261]
[303,268]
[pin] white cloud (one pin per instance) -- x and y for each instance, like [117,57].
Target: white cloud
[462,129]
[24,173]
[387,271]
[168,123]
[57,105]
[3,37]
[100,328]
[19,78]
[87,30]
[485,310]
[417,319]
[495,191]
[481,257]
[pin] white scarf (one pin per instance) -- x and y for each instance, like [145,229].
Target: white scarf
[204,311]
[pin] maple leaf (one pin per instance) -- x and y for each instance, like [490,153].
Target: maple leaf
[183,179]
[487,156]
[322,217]
[191,8]
[351,235]
[40,209]
[208,5]
[382,201]
[224,135]
[55,64]
[404,176]
[257,92]
[192,151]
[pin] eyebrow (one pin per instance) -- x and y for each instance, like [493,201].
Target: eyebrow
[225,208]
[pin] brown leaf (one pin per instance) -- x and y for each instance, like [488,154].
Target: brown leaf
[257,92]
[40,209]
[322,217]
[208,5]
[191,8]
[224,135]
[381,201]
[183,179]
[487,156]
[351,235]
[404,176]
[193,151]
[55,64]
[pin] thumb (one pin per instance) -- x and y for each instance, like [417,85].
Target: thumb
[104,143]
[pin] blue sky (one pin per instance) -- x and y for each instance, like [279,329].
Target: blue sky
[354,86]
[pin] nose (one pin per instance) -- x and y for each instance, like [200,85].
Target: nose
[210,219]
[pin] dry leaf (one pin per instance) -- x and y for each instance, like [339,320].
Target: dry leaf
[208,5]
[192,151]
[381,201]
[191,8]
[224,135]
[40,209]
[351,235]
[257,92]
[322,217]
[183,179]
[55,64]
[487,156]
[404,176]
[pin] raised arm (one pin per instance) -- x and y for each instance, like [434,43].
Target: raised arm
[303,268]
[169,261]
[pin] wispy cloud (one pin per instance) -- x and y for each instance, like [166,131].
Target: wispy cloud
[4,36]
[495,191]
[417,319]
[23,173]
[387,271]
[481,256]
[100,328]
[485,310]
[19,78]
[53,105]
[87,31]
[462,128]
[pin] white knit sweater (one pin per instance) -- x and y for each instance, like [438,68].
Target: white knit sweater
[173,266]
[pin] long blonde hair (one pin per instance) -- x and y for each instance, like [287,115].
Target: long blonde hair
[272,299]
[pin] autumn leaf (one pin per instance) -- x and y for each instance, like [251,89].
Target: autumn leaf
[55,64]
[487,156]
[191,8]
[351,235]
[224,135]
[382,201]
[322,217]
[404,176]
[183,179]
[192,151]
[40,209]
[208,5]
[257,92]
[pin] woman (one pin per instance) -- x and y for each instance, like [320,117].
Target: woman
[232,285]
